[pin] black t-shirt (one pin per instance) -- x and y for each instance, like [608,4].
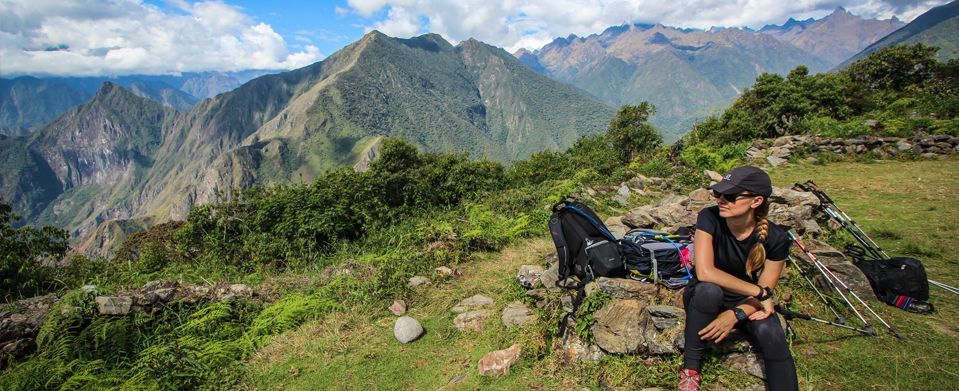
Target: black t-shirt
[730,254]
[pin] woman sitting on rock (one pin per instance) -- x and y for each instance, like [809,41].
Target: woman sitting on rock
[739,258]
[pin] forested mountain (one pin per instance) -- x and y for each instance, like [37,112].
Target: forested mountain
[121,156]
[937,27]
[27,102]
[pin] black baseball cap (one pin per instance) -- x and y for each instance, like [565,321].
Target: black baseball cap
[745,178]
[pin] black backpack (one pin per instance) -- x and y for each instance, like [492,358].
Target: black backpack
[894,277]
[658,256]
[585,248]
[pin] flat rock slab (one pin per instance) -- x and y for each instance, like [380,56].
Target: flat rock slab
[498,363]
[472,320]
[624,288]
[472,303]
[407,329]
[518,313]
[666,311]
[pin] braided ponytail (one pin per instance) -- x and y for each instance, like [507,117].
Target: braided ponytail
[757,254]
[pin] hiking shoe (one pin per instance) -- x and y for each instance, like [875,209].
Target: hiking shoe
[689,380]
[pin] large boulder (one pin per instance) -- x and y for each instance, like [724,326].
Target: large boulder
[617,328]
[407,329]
[841,266]
[498,363]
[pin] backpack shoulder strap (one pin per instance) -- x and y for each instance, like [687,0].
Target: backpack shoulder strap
[562,250]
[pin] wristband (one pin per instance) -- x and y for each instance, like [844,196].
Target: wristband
[764,293]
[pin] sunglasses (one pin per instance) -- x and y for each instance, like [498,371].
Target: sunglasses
[732,197]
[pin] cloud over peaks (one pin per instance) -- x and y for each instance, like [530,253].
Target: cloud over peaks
[117,37]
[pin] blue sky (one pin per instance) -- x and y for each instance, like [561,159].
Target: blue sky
[119,37]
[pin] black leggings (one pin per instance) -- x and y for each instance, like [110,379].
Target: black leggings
[704,301]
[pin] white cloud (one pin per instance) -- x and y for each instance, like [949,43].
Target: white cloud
[533,23]
[117,37]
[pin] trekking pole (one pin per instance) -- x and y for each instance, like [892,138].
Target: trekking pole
[945,287]
[855,229]
[819,266]
[839,318]
[790,314]
[829,206]
[846,287]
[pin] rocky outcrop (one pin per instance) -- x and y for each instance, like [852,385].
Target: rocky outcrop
[18,329]
[779,150]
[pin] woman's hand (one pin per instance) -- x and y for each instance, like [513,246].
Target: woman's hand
[767,310]
[719,328]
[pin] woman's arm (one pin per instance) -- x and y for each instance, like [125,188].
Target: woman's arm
[706,270]
[769,277]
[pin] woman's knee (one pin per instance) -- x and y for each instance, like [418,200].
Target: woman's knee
[770,337]
[705,296]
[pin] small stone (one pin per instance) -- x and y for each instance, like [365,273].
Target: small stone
[472,303]
[775,161]
[416,281]
[165,294]
[407,329]
[241,290]
[812,227]
[747,363]
[472,320]
[88,288]
[518,313]
[114,305]
[550,276]
[447,271]
[713,175]
[701,195]
[398,307]
[623,191]
[499,362]
[529,276]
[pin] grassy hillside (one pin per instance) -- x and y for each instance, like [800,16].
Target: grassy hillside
[355,349]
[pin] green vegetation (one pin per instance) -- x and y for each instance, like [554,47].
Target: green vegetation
[904,88]
[330,254]
[26,254]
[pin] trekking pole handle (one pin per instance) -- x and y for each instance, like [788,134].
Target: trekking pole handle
[791,314]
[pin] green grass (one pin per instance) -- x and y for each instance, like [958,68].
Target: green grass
[910,210]
[910,205]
